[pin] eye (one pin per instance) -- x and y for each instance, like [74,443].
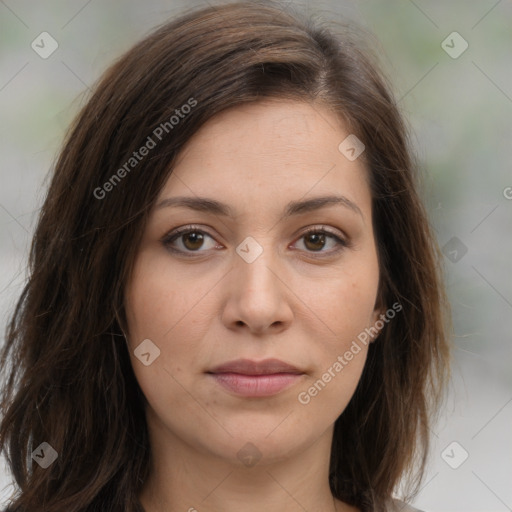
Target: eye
[315,239]
[190,239]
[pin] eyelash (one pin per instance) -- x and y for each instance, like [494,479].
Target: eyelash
[169,238]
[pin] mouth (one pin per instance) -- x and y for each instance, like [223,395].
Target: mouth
[247,378]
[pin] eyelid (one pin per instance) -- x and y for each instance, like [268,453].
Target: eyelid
[176,233]
[330,231]
[342,240]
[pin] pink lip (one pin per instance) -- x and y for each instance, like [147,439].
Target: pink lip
[256,379]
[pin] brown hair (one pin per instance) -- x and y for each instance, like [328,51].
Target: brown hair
[69,380]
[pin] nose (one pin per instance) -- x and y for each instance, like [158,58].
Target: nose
[257,298]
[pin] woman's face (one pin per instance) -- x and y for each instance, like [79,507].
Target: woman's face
[249,284]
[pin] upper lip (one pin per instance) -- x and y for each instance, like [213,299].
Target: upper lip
[249,367]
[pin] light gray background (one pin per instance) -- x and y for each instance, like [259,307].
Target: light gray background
[460,110]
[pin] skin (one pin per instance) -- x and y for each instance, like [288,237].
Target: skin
[299,301]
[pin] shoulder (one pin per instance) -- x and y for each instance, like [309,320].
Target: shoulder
[400,506]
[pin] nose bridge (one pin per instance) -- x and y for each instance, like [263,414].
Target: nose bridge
[256,259]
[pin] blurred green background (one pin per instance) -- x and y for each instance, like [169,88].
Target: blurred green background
[459,108]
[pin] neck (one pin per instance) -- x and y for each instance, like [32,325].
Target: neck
[184,478]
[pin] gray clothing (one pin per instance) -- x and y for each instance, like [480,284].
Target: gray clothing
[400,506]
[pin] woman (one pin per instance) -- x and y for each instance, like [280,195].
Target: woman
[234,299]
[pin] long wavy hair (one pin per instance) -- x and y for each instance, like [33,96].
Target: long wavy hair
[68,379]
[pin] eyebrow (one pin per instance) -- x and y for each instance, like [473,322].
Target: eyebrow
[205,204]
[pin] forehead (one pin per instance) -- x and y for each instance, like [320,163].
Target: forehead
[269,152]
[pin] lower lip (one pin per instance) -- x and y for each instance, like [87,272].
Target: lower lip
[256,385]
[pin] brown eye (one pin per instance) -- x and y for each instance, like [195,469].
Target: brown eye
[188,240]
[193,240]
[315,241]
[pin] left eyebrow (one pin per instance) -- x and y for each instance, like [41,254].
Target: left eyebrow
[205,204]
[308,205]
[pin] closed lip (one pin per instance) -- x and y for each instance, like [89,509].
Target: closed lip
[250,367]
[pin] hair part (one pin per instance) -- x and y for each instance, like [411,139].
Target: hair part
[69,379]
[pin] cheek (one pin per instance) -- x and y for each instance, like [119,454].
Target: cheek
[343,309]
[157,310]
[155,301]
[347,307]
[344,301]
[347,299]
[167,310]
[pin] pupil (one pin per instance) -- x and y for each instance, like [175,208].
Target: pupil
[320,239]
[196,238]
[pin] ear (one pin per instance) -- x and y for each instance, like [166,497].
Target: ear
[122,326]
[376,320]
